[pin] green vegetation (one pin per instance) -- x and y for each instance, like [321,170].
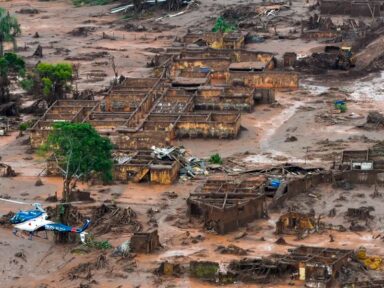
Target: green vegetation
[9,29]
[223,26]
[9,63]
[54,78]
[215,159]
[53,81]
[99,245]
[80,152]
[23,127]
[205,270]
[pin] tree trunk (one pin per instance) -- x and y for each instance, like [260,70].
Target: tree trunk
[63,212]
[66,190]
[173,5]
[1,46]
[138,5]
[14,43]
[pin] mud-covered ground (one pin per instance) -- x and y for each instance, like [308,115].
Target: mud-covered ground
[306,114]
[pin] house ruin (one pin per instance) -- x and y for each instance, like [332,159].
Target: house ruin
[370,159]
[141,165]
[316,266]
[145,242]
[354,8]
[225,205]
[196,92]
[295,223]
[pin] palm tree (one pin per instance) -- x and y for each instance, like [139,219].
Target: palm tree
[9,29]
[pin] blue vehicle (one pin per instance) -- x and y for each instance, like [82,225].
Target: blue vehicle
[35,220]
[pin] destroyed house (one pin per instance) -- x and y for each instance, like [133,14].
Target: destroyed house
[232,40]
[225,205]
[316,266]
[319,267]
[292,223]
[145,242]
[363,159]
[138,115]
[61,110]
[354,8]
[210,60]
[141,165]
[218,67]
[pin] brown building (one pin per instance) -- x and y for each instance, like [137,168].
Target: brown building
[145,242]
[225,205]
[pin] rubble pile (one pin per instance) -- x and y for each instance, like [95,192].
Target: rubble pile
[84,270]
[106,218]
[231,249]
[190,166]
[375,118]
[257,16]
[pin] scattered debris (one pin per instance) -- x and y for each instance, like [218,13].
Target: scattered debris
[39,182]
[6,171]
[83,31]
[231,249]
[106,218]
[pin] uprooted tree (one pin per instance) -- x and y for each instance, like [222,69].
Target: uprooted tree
[80,153]
[9,29]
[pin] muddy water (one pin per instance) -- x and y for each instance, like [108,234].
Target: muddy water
[371,89]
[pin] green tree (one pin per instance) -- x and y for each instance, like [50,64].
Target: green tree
[51,80]
[9,29]
[79,152]
[221,25]
[10,63]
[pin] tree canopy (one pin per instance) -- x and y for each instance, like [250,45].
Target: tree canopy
[9,29]
[52,81]
[9,63]
[79,152]
[54,78]
[221,25]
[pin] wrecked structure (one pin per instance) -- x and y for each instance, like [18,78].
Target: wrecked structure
[140,165]
[315,266]
[197,92]
[295,223]
[145,242]
[354,8]
[370,159]
[225,205]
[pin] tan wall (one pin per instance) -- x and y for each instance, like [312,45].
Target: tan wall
[208,129]
[164,175]
[310,35]
[121,171]
[142,139]
[185,64]
[268,80]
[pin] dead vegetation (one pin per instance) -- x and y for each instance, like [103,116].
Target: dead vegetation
[110,218]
